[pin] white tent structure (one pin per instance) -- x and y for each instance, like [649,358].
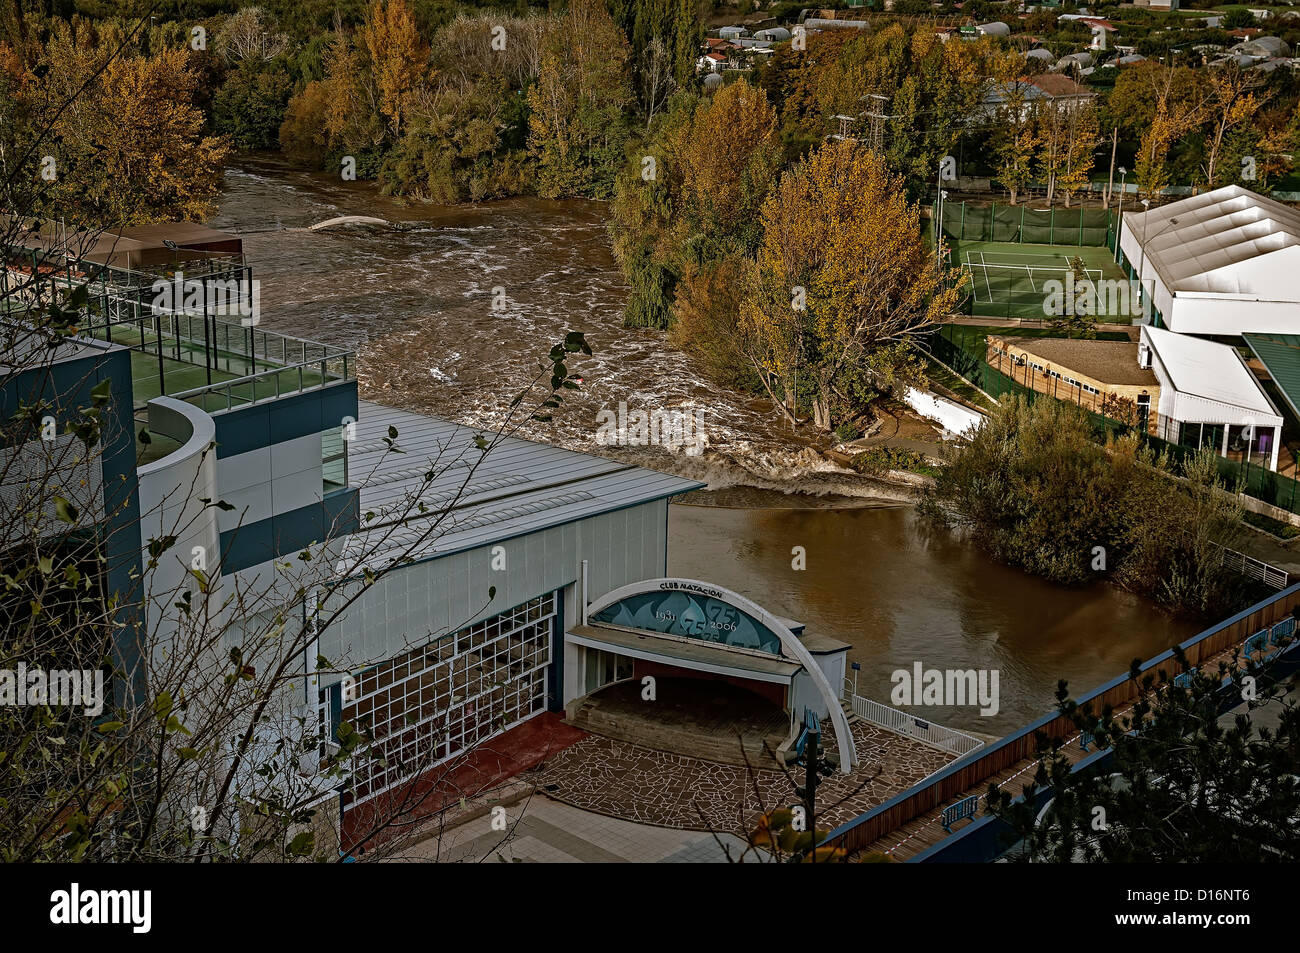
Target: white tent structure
[1209,397]
[1225,262]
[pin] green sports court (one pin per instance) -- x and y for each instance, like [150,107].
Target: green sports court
[1009,279]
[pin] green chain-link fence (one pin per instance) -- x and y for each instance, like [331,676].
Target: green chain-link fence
[968,222]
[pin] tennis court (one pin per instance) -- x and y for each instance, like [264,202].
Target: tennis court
[1010,280]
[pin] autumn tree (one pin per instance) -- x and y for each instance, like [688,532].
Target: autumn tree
[1174,107]
[246,35]
[132,150]
[1067,137]
[644,224]
[349,101]
[728,157]
[578,125]
[398,56]
[1233,99]
[302,133]
[930,90]
[842,283]
[1014,139]
[656,78]
[693,198]
[467,127]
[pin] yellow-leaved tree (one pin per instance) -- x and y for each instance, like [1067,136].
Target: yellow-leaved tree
[1067,131]
[1014,135]
[131,149]
[842,284]
[1177,112]
[398,56]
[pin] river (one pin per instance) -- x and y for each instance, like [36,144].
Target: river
[415,299]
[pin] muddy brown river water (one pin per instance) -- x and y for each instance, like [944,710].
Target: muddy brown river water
[415,299]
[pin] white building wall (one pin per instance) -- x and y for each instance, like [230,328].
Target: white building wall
[411,605]
[277,479]
[1176,407]
[1209,314]
[171,490]
[953,417]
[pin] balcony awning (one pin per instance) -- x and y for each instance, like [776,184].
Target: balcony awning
[685,653]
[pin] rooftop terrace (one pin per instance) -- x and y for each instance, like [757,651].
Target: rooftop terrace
[181,298]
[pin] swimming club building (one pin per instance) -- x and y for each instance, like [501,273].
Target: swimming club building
[458,593]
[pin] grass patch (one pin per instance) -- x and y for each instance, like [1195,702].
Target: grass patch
[942,377]
[1271,526]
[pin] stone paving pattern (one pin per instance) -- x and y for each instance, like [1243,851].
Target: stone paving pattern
[625,780]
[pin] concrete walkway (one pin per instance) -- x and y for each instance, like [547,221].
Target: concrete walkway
[540,830]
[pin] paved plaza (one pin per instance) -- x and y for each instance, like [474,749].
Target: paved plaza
[625,780]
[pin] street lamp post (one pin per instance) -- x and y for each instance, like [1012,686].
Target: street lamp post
[938,233]
[1120,223]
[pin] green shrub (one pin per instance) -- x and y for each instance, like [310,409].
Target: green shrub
[1034,490]
[878,460]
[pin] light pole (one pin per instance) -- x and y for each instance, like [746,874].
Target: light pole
[1120,224]
[938,225]
[938,234]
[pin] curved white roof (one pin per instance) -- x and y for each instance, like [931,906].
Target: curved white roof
[1230,241]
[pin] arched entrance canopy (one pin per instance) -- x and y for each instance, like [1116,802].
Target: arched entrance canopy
[688,608]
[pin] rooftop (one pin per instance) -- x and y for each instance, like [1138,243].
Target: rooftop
[1207,369]
[1049,86]
[1280,355]
[134,246]
[1229,241]
[1111,362]
[519,487]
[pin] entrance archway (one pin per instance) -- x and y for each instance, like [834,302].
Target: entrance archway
[727,626]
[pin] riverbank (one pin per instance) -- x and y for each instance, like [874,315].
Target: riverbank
[449,309]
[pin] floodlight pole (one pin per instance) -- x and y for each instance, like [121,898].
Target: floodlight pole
[938,228]
[1142,248]
[1119,225]
[938,224]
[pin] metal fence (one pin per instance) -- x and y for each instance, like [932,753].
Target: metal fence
[918,729]
[1255,569]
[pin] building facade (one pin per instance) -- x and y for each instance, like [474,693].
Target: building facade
[440,587]
[1105,377]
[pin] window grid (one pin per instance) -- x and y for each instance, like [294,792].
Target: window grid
[440,700]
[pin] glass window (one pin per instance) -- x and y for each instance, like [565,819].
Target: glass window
[334,459]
